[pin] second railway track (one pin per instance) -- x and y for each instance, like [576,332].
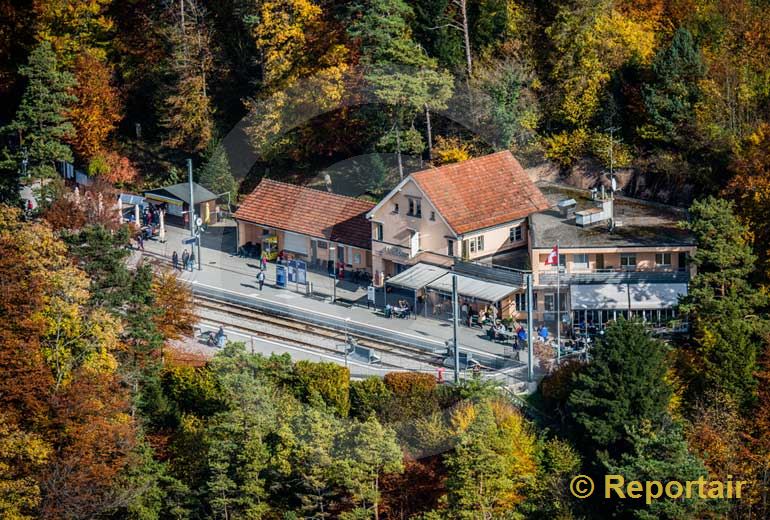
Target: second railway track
[298,328]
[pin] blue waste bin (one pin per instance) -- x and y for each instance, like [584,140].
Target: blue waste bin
[280,276]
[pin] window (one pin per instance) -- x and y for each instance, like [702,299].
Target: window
[415,208]
[534,301]
[549,302]
[628,261]
[450,247]
[521,302]
[663,259]
[357,258]
[516,234]
[682,261]
[599,261]
[377,231]
[580,261]
[473,245]
[433,215]
[395,207]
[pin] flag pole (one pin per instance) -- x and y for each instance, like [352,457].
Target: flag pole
[558,304]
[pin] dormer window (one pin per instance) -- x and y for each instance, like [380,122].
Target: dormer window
[395,207]
[415,208]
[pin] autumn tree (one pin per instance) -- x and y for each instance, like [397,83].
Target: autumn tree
[492,463]
[113,168]
[592,40]
[72,27]
[368,451]
[187,108]
[97,110]
[304,61]
[750,189]
[173,298]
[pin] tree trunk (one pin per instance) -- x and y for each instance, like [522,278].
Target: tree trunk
[430,134]
[398,153]
[466,36]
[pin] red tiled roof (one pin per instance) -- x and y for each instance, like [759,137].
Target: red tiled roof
[309,212]
[482,192]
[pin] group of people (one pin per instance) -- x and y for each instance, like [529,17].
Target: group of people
[499,332]
[487,314]
[187,260]
[401,309]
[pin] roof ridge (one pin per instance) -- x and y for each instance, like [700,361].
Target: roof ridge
[456,164]
[307,188]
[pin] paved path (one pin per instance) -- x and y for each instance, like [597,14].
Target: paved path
[225,271]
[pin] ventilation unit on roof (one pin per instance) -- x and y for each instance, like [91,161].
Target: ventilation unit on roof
[567,207]
[601,213]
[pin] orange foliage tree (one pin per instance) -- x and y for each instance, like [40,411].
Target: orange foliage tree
[750,188]
[97,110]
[112,168]
[174,300]
[60,392]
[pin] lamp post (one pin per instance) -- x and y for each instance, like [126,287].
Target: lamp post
[333,273]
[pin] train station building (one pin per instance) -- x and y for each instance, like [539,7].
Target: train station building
[326,230]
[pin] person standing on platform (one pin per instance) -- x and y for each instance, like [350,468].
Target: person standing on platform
[261,279]
[175,260]
[185,259]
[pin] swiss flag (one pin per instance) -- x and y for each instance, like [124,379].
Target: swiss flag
[553,256]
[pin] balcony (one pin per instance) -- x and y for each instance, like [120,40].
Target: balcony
[601,276]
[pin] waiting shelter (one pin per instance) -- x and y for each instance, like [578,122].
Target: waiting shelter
[175,200]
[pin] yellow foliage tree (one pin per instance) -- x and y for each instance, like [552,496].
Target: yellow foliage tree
[450,150]
[73,25]
[592,41]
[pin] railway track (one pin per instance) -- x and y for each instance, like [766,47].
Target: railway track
[300,328]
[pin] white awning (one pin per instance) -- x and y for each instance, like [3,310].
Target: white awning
[473,288]
[599,296]
[417,276]
[656,295]
[634,296]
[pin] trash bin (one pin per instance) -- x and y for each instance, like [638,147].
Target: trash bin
[309,288]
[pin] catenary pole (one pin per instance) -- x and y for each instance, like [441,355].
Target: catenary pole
[530,346]
[454,329]
[558,303]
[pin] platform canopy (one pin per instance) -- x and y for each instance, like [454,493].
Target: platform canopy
[417,276]
[473,288]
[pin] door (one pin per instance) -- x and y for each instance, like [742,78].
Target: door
[415,243]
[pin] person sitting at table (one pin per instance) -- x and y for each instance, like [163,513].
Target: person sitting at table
[500,331]
[522,337]
[543,333]
[491,333]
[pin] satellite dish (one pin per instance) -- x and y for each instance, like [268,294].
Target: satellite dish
[614,184]
[198,221]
